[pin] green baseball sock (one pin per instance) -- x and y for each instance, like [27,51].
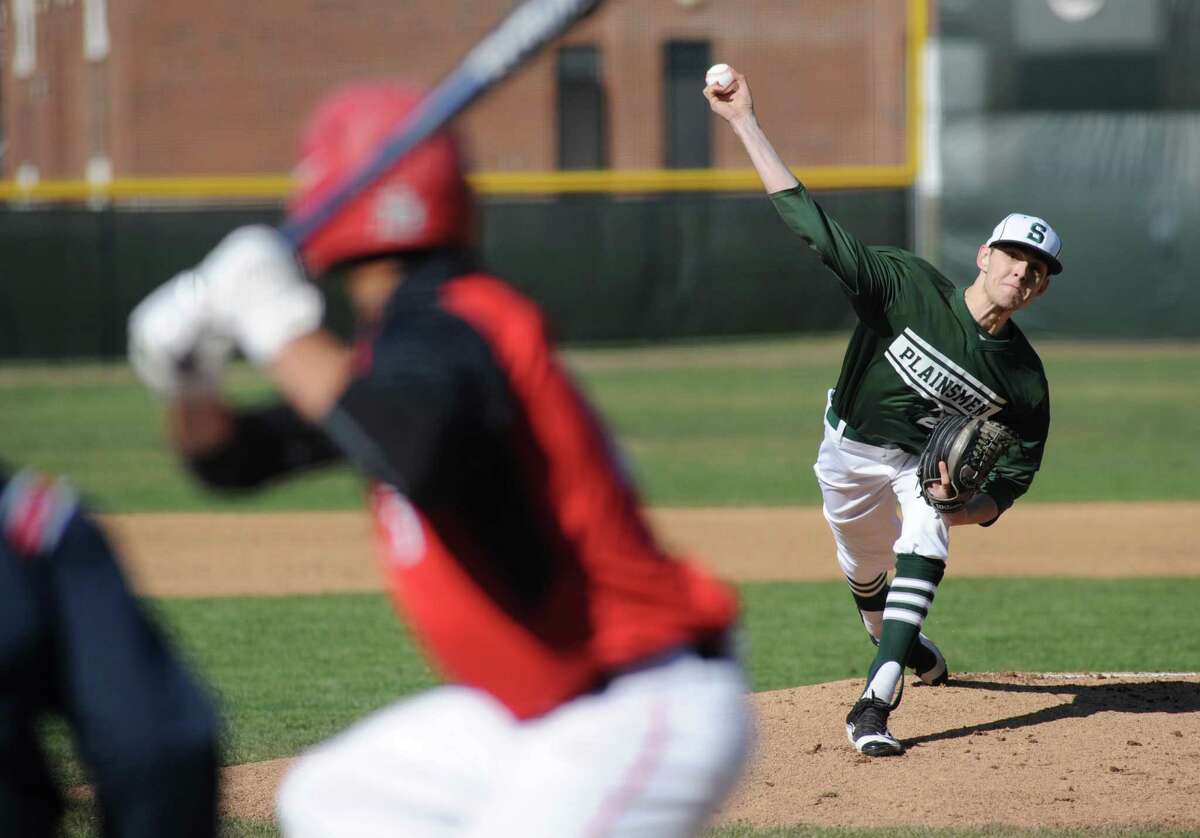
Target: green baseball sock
[908,602]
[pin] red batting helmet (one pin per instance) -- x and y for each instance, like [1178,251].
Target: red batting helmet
[421,202]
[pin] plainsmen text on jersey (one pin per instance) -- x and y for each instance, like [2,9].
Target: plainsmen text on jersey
[917,353]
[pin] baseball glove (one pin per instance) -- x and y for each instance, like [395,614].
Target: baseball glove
[970,447]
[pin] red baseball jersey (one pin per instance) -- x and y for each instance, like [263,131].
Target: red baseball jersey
[512,539]
[582,588]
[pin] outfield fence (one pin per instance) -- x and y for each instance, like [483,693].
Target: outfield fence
[605,267]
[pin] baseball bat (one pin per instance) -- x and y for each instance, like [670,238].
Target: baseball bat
[493,59]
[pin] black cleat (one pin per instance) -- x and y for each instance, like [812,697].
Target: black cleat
[866,728]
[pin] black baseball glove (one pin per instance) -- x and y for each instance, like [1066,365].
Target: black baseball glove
[970,447]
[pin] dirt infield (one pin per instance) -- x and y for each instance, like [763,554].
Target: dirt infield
[319,552]
[1080,751]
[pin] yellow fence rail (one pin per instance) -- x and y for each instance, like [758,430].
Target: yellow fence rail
[274,188]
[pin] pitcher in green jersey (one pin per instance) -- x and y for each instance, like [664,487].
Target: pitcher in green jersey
[922,348]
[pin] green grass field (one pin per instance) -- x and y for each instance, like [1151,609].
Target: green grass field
[723,423]
[292,670]
[719,423]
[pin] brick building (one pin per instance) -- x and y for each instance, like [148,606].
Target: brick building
[100,89]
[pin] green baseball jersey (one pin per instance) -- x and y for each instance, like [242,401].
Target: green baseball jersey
[917,353]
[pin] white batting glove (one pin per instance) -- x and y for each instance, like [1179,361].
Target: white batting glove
[172,345]
[258,293]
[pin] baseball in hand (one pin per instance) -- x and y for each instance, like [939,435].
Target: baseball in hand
[718,74]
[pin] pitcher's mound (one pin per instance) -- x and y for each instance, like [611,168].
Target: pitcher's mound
[1071,750]
[1014,749]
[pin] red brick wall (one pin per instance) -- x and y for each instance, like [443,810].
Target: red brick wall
[221,87]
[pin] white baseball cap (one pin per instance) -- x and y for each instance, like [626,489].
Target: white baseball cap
[1031,232]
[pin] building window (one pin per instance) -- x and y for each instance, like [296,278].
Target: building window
[582,109]
[688,134]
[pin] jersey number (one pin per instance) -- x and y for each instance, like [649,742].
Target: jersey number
[401,526]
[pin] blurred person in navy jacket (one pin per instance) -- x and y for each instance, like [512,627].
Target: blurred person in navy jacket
[75,642]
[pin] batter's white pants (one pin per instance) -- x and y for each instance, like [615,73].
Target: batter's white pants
[651,755]
[873,506]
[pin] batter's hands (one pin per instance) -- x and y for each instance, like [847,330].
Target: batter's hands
[173,346]
[259,293]
[250,290]
[733,101]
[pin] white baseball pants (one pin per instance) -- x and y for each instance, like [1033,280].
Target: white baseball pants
[651,755]
[862,485]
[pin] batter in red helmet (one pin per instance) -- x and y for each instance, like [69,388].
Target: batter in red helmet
[591,687]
